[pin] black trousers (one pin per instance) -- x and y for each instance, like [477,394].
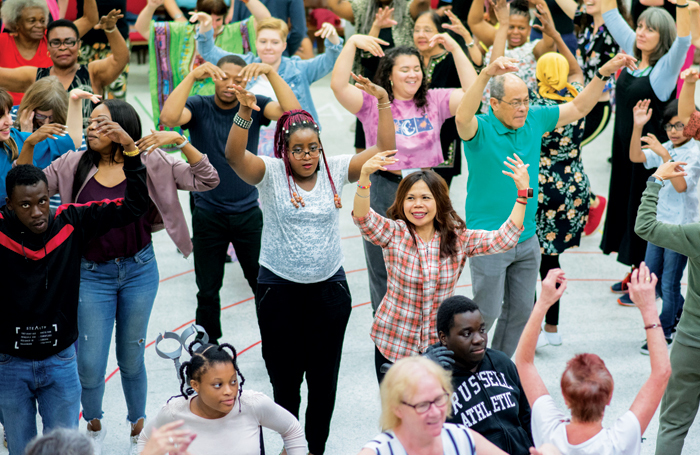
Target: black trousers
[212,232]
[548,263]
[302,327]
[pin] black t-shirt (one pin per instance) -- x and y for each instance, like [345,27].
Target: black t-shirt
[103,8]
[563,23]
[209,128]
[638,9]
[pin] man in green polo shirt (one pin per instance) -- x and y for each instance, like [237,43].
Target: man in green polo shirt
[504,284]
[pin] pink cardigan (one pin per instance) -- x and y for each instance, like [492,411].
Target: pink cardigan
[165,175]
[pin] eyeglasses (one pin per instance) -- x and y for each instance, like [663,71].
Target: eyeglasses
[423,406]
[313,152]
[41,117]
[517,103]
[57,43]
[676,126]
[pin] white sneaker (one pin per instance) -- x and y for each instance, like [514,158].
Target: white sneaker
[542,341]
[134,445]
[97,438]
[553,338]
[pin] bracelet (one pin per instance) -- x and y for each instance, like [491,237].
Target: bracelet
[132,153]
[384,104]
[359,195]
[178,16]
[364,187]
[185,142]
[385,107]
[241,122]
[112,30]
[521,202]
[652,326]
[601,77]
[681,6]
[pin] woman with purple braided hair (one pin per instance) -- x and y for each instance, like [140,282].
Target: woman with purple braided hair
[301,284]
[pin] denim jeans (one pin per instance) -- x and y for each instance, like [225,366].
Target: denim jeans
[52,383]
[668,267]
[119,292]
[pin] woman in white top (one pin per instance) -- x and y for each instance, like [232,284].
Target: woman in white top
[302,290]
[213,405]
[587,385]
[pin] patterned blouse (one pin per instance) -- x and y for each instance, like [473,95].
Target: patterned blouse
[595,48]
[418,280]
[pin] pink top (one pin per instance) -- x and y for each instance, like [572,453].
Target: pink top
[417,130]
[11,58]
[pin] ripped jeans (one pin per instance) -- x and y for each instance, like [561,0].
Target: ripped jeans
[120,292]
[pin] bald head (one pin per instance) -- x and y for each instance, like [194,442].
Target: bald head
[509,100]
[500,85]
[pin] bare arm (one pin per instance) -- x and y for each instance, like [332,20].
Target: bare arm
[342,8]
[686,101]
[652,2]
[249,167]
[682,18]
[641,114]
[143,21]
[457,27]
[105,71]
[575,71]
[484,31]
[694,23]
[417,7]
[568,6]
[89,19]
[546,44]
[174,11]
[257,10]
[74,120]
[286,98]
[377,162]
[465,69]
[174,112]
[17,79]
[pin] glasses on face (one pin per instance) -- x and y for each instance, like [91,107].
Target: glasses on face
[313,152]
[42,118]
[676,126]
[517,103]
[423,406]
[57,43]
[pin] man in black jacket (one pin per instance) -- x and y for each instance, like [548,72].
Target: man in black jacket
[40,254]
[487,396]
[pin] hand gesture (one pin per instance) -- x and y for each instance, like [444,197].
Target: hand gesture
[443,10]
[378,161]
[157,139]
[519,175]
[547,27]
[441,355]
[106,127]
[78,94]
[446,40]
[206,70]
[384,18]
[50,130]
[641,113]
[501,9]
[254,70]
[502,65]
[205,20]
[369,44]
[229,16]
[690,75]
[327,31]
[456,25]
[617,62]
[670,170]
[642,288]
[246,98]
[553,287]
[168,439]
[26,121]
[109,21]
[652,143]
[369,87]
[155,3]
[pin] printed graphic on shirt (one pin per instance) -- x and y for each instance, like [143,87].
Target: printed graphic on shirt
[412,126]
[36,335]
[482,395]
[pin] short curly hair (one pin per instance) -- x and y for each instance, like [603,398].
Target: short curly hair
[11,10]
[386,65]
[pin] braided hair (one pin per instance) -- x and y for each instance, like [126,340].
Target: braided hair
[289,123]
[201,359]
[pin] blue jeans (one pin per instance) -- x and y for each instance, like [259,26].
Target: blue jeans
[52,383]
[668,267]
[120,291]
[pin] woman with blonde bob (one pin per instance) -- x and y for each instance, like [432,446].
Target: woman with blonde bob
[415,396]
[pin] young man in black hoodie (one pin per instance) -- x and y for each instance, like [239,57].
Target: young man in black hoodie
[40,252]
[488,396]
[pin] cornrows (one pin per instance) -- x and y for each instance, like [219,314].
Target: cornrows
[290,122]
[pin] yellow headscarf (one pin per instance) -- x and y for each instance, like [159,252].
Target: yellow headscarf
[552,74]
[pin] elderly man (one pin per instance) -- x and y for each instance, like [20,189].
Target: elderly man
[504,284]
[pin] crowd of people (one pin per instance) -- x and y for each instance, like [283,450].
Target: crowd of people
[519,88]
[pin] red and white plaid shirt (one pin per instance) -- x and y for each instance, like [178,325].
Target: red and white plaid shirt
[418,280]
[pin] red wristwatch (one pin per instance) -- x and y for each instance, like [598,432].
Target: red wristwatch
[526,193]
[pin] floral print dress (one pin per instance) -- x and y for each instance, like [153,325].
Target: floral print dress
[564,197]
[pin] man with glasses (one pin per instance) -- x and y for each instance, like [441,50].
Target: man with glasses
[504,284]
[229,213]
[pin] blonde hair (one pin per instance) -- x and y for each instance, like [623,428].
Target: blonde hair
[9,146]
[272,23]
[46,94]
[401,381]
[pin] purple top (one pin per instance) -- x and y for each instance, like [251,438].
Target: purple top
[417,132]
[122,242]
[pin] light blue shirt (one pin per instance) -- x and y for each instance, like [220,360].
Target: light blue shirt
[675,207]
[298,73]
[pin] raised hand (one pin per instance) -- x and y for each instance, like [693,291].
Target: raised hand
[369,87]
[78,94]
[691,74]
[384,18]
[246,98]
[327,31]
[109,21]
[446,40]
[158,139]
[254,70]
[26,121]
[670,170]
[50,130]
[206,70]
[106,127]
[652,143]
[502,65]
[553,286]
[641,112]
[502,10]
[519,172]
[617,62]
[370,44]
[378,161]
[456,25]
[547,27]
[443,9]
[205,20]
[642,287]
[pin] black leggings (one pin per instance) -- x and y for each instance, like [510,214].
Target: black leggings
[548,263]
[596,121]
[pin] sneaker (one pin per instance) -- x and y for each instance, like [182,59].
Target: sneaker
[542,340]
[625,300]
[595,214]
[97,438]
[553,339]
[645,348]
[134,445]
[621,286]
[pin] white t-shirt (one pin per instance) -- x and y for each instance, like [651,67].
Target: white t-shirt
[266,144]
[549,426]
[302,244]
[237,432]
[456,440]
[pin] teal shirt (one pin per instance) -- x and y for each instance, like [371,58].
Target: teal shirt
[490,193]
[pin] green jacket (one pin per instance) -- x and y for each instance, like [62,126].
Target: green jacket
[684,239]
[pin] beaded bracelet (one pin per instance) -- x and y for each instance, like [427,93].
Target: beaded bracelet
[364,187]
[652,326]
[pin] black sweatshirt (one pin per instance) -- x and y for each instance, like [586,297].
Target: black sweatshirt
[492,402]
[40,274]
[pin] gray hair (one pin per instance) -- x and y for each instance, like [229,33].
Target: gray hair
[61,441]
[658,19]
[399,15]
[498,89]
[11,10]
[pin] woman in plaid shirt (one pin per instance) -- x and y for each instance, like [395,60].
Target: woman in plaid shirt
[426,245]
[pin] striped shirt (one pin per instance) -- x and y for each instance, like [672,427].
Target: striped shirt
[456,440]
[418,280]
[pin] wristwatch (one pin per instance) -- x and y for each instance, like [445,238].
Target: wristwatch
[655,179]
[601,77]
[526,193]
